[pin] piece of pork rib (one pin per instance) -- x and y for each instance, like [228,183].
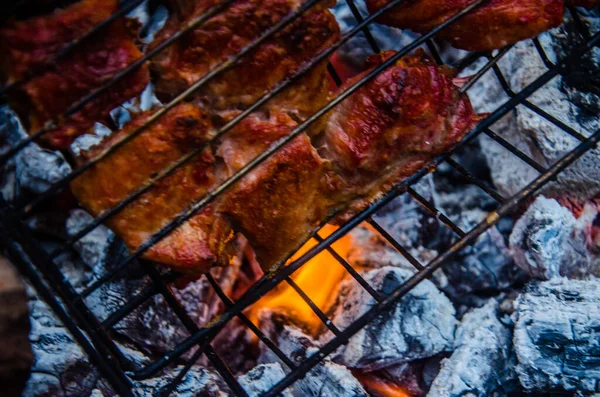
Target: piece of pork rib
[27,44]
[279,203]
[390,128]
[196,245]
[493,25]
[274,61]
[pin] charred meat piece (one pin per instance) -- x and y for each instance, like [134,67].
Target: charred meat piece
[278,204]
[201,241]
[275,60]
[391,127]
[493,25]
[589,4]
[387,130]
[27,44]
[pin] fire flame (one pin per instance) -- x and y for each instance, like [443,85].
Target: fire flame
[319,278]
[381,388]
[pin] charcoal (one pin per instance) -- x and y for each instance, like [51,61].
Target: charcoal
[536,137]
[548,241]
[420,325]
[262,378]
[197,381]
[480,365]
[36,169]
[324,380]
[556,335]
[93,247]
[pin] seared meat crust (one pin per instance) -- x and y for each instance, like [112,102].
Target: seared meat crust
[27,44]
[494,25]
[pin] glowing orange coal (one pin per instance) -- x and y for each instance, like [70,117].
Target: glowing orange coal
[381,388]
[319,278]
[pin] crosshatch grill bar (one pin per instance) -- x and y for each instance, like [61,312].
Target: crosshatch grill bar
[266,284]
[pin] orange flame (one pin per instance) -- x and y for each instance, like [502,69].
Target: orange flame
[381,388]
[319,278]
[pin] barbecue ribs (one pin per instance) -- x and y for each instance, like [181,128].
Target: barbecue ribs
[27,44]
[198,243]
[493,25]
[274,61]
[388,129]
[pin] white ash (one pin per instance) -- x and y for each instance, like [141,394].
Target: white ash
[262,378]
[548,241]
[481,362]
[326,379]
[36,169]
[151,20]
[196,382]
[535,136]
[556,335]
[420,325]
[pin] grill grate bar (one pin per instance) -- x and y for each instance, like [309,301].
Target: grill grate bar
[438,262]
[542,113]
[192,327]
[491,63]
[508,146]
[397,246]
[319,313]
[263,338]
[428,205]
[351,271]
[359,18]
[542,53]
[480,184]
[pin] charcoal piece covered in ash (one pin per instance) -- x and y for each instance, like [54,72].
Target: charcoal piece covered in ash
[556,335]
[480,364]
[36,169]
[548,241]
[536,137]
[420,325]
[197,381]
[326,379]
[262,378]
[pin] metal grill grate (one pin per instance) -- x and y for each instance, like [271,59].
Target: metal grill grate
[73,311]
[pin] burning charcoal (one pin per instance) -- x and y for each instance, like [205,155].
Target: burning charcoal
[262,378]
[421,325]
[548,241]
[480,365]
[197,382]
[556,335]
[36,169]
[326,379]
[536,137]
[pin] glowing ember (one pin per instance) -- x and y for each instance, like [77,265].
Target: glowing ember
[381,388]
[319,278]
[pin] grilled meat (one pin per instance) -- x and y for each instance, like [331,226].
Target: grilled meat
[279,203]
[391,127]
[275,60]
[493,25]
[387,130]
[198,243]
[27,44]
